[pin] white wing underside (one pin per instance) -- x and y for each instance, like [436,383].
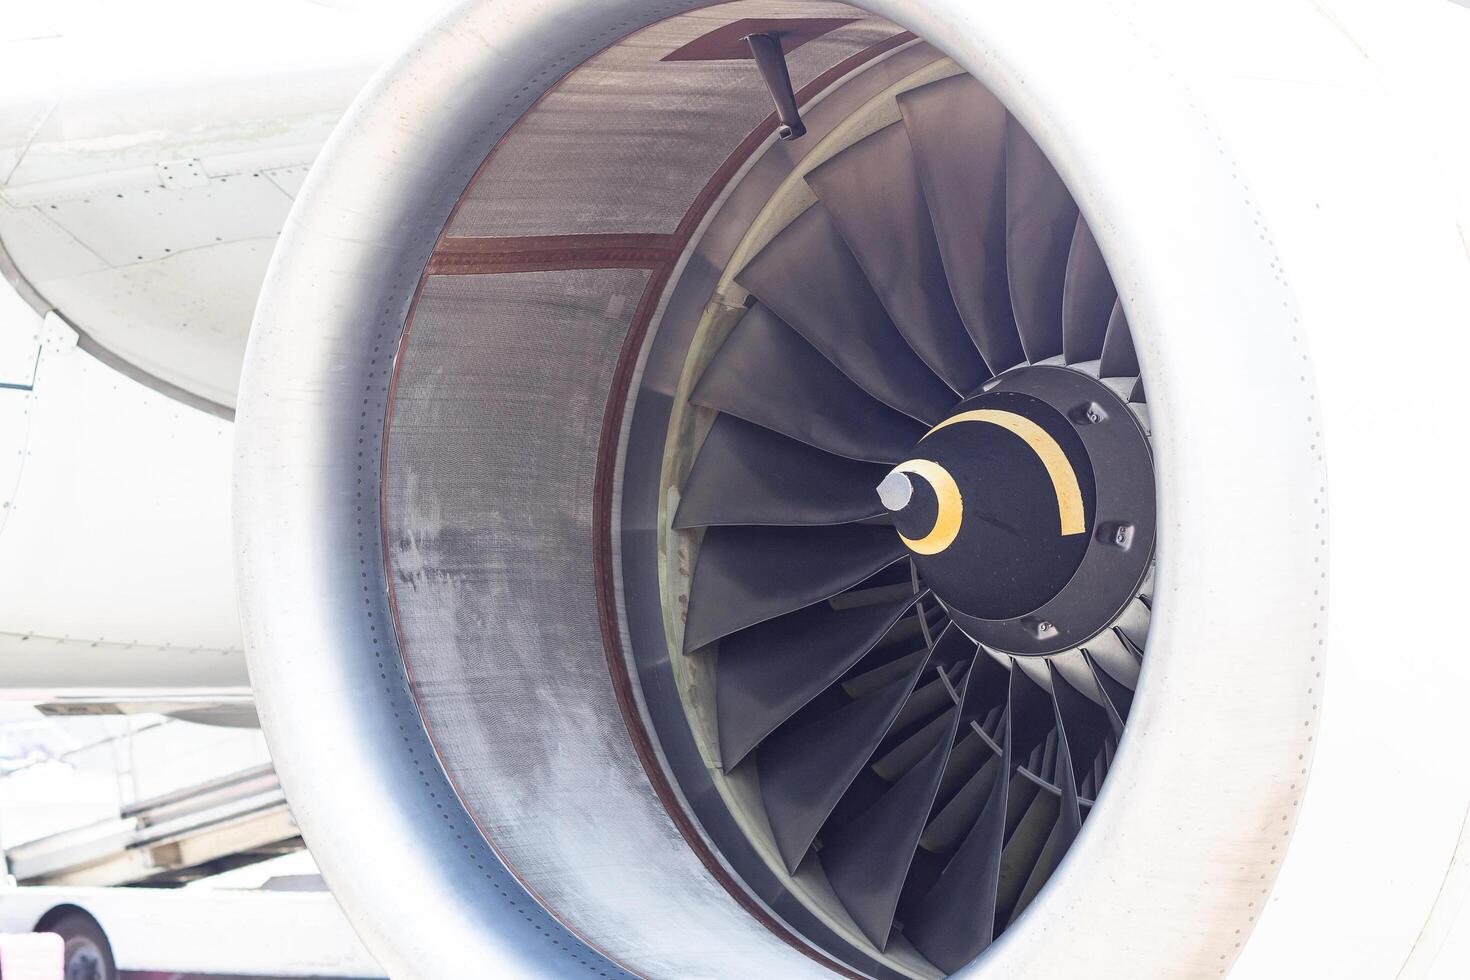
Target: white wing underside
[148,161]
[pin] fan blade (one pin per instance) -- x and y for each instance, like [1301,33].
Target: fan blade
[809,278]
[1040,219]
[971,753]
[1021,794]
[1031,715]
[1087,298]
[1047,767]
[1063,832]
[1081,734]
[767,673]
[1141,413]
[957,131]
[989,689]
[872,192]
[916,724]
[868,860]
[952,824]
[871,680]
[1024,848]
[1119,699]
[1090,734]
[1116,656]
[894,763]
[1083,724]
[1099,769]
[1132,626]
[974,764]
[746,474]
[1138,397]
[747,575]
[891,583]
[928,701]
[804,770]
[766,374]
[1118,358]
[956,920]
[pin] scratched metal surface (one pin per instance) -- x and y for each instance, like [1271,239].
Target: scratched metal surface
[627,141]
[489,508]
[489,481]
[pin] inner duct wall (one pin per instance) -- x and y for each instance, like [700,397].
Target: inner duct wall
[505,370]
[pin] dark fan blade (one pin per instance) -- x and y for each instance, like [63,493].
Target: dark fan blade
[871,680]
[956,920]
[747,575]
[929,700]
[1021,794]
[1040,219]
[809,278]
[1063,833]
[966,785]
[957,817]
[1031,715]
[765,674]
[804,770]
[746,474]
[989,688]
[766,374]
[920,720]
[872,192]
[957,131]
[868,860]
[891,584]
[898,760]
[1138,397]
[1083,723]
[1087,298]
[1071,706]
[1118,359]
[1024,848]
[1112,654]
[1119,699]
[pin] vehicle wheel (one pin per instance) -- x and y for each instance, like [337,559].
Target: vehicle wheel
[87,953]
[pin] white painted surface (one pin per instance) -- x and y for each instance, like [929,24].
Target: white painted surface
[1284,237]
[31,956]
[115,554]
[276,934]
[1342,163]
[20,348]
[149,154]
[1361,96]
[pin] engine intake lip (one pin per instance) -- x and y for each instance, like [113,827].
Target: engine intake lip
[355,753]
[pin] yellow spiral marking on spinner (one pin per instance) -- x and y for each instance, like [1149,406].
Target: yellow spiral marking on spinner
[951,508]
[1046,448]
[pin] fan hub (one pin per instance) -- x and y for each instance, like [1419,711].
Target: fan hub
[1002,500]
[1029,510]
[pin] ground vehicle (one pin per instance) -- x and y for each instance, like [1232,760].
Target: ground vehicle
[132,931]
[121,833]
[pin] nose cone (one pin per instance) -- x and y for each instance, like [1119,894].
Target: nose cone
[895,491]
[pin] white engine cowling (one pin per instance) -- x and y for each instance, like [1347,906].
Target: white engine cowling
[522,285]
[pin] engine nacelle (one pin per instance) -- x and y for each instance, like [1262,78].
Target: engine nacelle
[901,549]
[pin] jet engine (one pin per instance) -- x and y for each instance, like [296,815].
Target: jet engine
[790,488]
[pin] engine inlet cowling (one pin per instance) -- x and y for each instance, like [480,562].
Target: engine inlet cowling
[715,549]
